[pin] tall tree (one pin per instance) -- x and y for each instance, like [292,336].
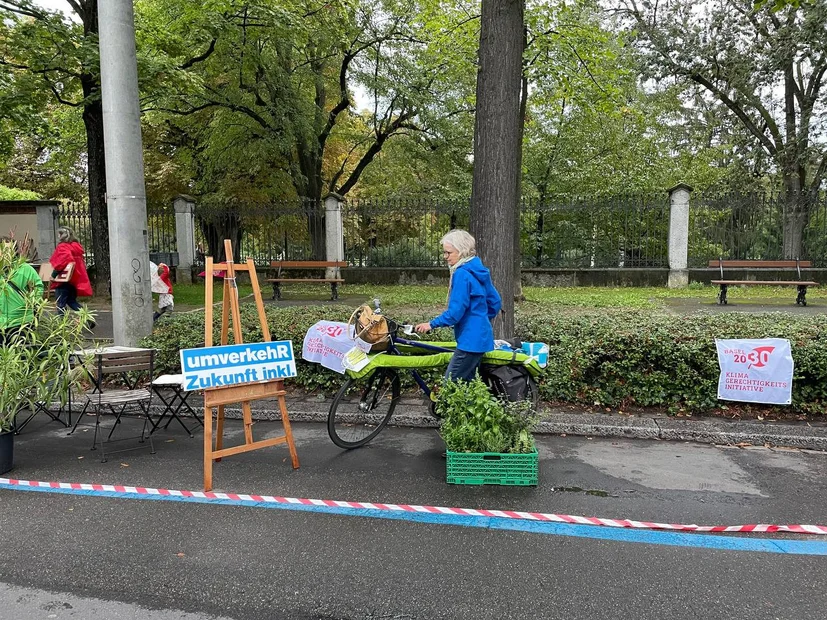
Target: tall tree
[766,64]
[497,133]
[63,55]
[284,73]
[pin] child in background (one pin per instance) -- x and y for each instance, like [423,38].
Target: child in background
[162,285]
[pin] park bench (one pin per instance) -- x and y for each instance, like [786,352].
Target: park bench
[281,265]
[802,285]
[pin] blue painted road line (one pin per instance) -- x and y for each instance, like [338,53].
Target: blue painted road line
[695,540]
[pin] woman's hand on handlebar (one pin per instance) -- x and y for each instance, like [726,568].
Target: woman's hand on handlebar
[423,327]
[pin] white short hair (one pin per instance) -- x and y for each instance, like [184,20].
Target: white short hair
[462,241]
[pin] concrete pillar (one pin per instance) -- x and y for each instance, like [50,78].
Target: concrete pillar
[679,236]
[46,239]
[334,235]
[125,191]
[184,237]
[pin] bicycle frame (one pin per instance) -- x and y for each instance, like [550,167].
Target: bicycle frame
[394,340]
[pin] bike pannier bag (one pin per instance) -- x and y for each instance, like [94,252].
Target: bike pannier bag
[514,383]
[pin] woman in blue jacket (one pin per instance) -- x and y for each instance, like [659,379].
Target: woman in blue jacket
[472,303]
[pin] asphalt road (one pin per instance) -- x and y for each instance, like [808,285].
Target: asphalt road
[93,557]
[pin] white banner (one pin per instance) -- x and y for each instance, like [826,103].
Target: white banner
[156,284]
[755,371]
[325,343]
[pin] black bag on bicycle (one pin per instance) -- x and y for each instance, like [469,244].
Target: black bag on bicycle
[512,382]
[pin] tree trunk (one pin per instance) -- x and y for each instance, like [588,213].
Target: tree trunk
[518,254]
[309,188]
[96,174]
[494,200]
[796,208]
[95,158]
[220,225]
[795,220]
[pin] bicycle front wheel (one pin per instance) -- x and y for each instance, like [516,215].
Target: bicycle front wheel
[354,421]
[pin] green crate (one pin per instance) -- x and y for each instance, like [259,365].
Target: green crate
[492,468]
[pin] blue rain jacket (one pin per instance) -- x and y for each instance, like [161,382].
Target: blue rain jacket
[472,303]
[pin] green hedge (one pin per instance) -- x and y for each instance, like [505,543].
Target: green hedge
[635,357]
[614,358]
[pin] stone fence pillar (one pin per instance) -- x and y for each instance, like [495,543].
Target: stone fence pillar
[185,236]
[679,236]
[334,235]
[46,240]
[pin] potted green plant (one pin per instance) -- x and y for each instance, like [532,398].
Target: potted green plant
[35,348]
[488,439]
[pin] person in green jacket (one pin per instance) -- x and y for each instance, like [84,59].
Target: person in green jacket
[20,285]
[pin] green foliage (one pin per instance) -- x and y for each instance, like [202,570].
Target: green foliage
[11,193]
[403,253]
[52,67]
[475,421]
[741,54]
[611,346]
[34,361]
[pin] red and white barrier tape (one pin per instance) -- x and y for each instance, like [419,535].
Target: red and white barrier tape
[464,512]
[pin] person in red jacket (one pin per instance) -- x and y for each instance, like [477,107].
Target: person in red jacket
[162,285]
[68,251]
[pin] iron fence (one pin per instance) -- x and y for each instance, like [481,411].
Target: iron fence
[752,227]
[161,230]
[75,216]
[163,245]
[628,231]
[399,232]
[619,231]
[285,230]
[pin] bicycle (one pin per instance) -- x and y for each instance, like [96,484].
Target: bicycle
[352,424]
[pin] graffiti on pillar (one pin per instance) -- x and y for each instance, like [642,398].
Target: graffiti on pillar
[138,296]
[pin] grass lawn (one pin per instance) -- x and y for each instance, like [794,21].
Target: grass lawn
[191,296]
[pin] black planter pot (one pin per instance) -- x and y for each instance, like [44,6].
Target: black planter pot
[6,452]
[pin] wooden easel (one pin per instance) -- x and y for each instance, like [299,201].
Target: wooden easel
[244,394]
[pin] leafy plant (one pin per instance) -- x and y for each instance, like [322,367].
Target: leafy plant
[34,360]
[12,193]
[473,420]
[403,253]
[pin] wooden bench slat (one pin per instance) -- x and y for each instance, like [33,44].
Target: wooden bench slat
[758,266]
[279,265]
[761,264]
[115,397]
[306,264]
[302,280]
[765,282]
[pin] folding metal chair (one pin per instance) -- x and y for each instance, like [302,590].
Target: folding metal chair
[174,403]
[117,401]
[44,407]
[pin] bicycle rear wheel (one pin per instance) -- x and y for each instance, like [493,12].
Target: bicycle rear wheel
[353,422]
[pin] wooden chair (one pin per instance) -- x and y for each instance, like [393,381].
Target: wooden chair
[136,368]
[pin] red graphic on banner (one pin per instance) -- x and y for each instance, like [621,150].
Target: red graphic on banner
[334,331]
[758,357]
